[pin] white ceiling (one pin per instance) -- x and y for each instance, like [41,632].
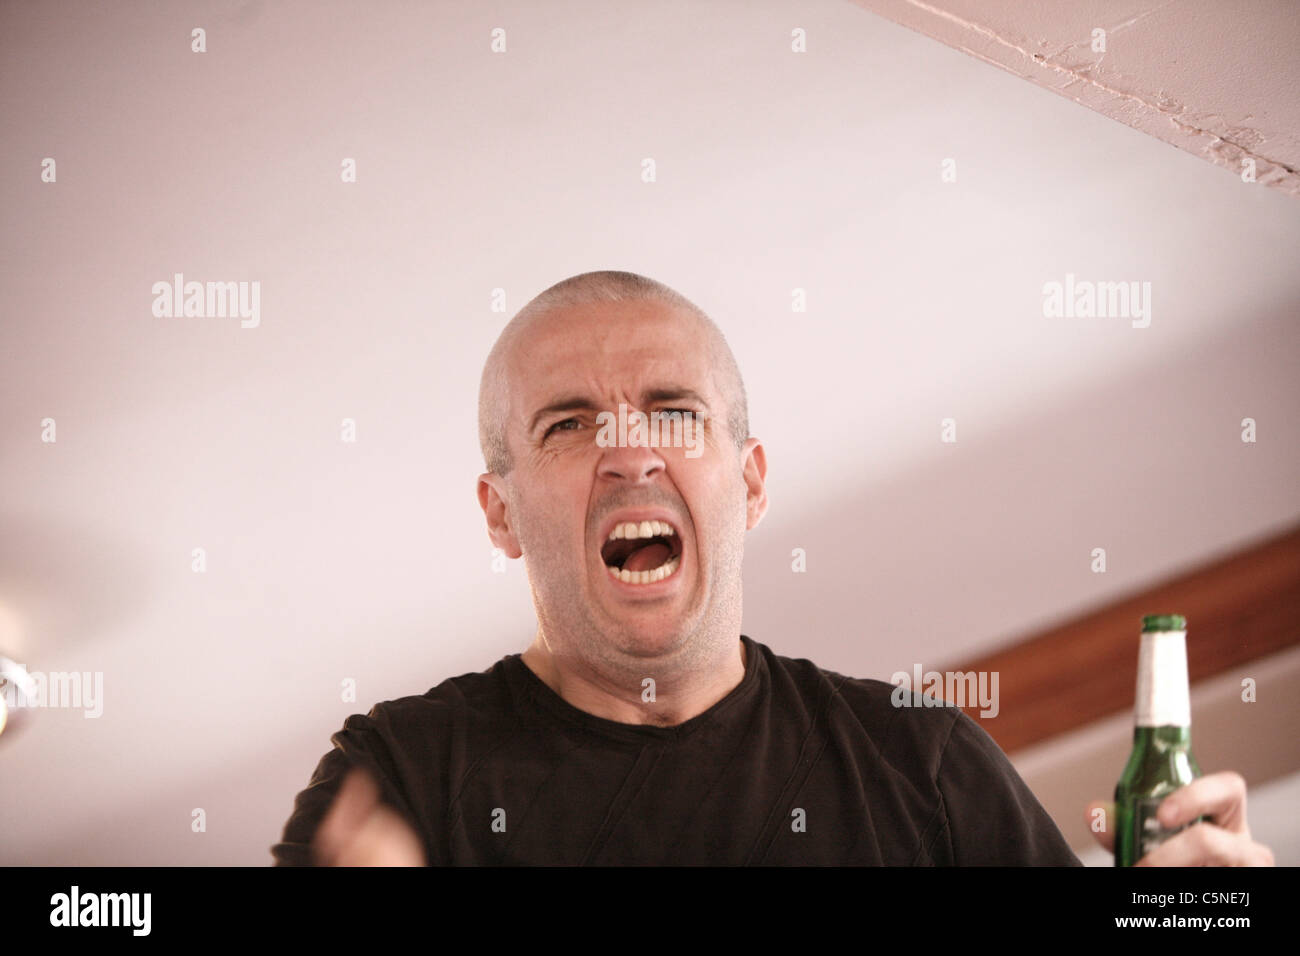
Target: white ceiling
[776,170]
[1218,80]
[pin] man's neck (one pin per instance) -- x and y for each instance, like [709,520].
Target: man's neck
[663,704]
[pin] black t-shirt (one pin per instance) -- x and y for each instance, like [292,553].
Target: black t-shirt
[796,765]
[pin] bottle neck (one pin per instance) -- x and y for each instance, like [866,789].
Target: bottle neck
[1161,739]
[1163,700]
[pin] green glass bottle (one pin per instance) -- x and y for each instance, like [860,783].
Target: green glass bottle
[1161,760]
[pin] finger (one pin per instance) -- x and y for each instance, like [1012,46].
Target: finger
[1099,815]
[1221,796]
[1204,844]
[353,805]
[384,839]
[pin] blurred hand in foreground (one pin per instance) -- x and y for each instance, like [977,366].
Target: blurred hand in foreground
[360,830]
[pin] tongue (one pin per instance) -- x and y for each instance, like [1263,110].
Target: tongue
[647,557]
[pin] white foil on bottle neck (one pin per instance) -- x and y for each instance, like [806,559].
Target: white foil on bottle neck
[1162,693]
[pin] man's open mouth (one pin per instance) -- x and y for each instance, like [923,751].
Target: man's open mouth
[642,552]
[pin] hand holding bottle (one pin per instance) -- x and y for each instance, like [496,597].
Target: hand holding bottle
[1221,839]
[1165,813]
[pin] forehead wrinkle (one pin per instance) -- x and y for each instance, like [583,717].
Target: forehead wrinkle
[584,365]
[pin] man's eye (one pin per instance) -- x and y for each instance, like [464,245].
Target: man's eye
[560,426]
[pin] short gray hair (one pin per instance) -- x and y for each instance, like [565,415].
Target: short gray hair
[584,289]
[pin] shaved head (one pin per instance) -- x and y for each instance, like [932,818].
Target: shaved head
[582,290]
[559,481]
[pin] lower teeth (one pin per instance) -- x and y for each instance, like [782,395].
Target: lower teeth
[645,577]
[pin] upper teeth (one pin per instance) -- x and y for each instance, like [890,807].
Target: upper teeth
[645,529]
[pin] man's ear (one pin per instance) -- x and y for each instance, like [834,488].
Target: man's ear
[754,465]
[492,499]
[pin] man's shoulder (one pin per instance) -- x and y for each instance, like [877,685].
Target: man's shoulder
[894,718]
[471,699]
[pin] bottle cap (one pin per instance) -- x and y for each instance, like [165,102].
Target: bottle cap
[1164,622]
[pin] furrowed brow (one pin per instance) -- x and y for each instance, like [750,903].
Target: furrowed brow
[673,393]
[581,403]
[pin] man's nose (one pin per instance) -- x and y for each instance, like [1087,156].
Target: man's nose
[635,463]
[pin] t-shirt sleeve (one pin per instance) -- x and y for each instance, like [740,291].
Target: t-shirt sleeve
[358,744]
[993,817]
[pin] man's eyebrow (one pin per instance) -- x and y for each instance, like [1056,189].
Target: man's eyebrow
[673,393]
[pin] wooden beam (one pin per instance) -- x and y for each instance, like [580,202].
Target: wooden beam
[1238,609]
